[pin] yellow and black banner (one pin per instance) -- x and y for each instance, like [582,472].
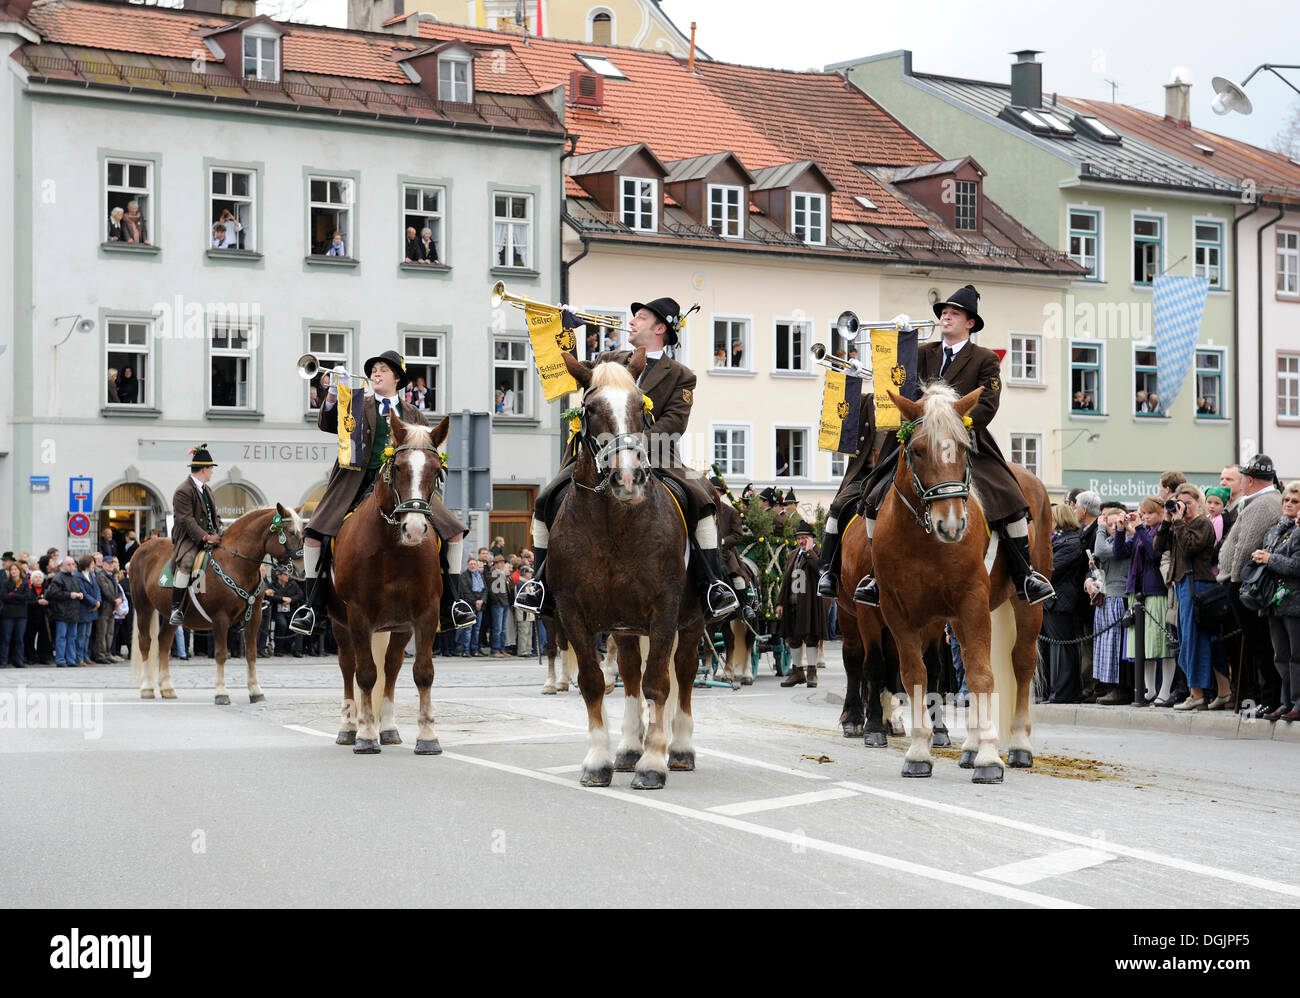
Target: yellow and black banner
[550,341]
[352,424]
[893,367]
[841,413]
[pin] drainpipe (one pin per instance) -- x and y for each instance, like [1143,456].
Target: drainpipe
[586,246]
[1236,321]
[1259,316]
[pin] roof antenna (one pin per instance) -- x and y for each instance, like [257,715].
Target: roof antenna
[1114,86]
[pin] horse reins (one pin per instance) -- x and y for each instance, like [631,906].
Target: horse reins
[935,493]
[284,564]
[617,444]
[414,505]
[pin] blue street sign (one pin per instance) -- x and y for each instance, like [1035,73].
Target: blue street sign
[81,495]
[39,483]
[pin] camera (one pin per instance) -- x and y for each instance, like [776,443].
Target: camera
[1172,505]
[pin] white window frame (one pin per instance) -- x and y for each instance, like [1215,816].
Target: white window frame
[1288,379]
[1146,216]
[524,405]
[436,362]
[808,429]
[746,339]
[1016,451]
[327,358]
[801,356]
[595,62]
[968,199]
[1288,263]
[1198,244]
[618,336]
[513,226]
[245,206]
[133,193]
[746,430]
[1099,256]
[343,210]
[1221,372]
[613,25]
[796,210]
[451,89]
[148,398]
[1100,395]
[263,38]
[719,222]
[643,195]
[438,216]
[247,353]
[1133,388]
[839,464]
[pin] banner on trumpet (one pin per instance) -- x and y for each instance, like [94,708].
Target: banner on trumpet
[841,413]
[352,418]
[893,367]
[550,342]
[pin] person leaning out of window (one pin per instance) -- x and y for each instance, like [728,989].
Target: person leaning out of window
[1190,536]
[1281,553]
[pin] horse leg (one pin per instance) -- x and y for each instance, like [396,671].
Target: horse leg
[972,629]
[597,766]
[876,698]
[631,743]
[144,652]
[426,742]
[220,650]
[851,715]
[681,748]
[917,762]
[933,700]
[549,686]
[347,666]
[367,674]
[388,734]
[1024,660]
[165,635]
[656,685]
[609,664]
[253,628]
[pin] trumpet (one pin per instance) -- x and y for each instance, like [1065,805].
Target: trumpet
[848,326]
[499,295]
[309,366]
[825,358]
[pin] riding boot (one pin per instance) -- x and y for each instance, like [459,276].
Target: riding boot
[826,584]
[868,592]
[534,595]
[304,618]
[1031,586]
[177,618]
[717,598]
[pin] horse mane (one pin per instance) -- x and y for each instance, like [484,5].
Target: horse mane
[941,421]
[609,374]
[419,436]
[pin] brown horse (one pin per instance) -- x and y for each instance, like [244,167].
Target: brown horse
[617,563]
[213,604]
[929,547]
[387,584]
[557,649]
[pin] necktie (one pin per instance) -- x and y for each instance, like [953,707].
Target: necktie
[649,366]
[383,408]
[947,359]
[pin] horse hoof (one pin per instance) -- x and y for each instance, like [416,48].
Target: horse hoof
[917,769]
[169,694]
[987,774]
[746,680]
[967,760]
[548,691]
[146,694]
[939,739]
[609,689]
[625,762]
[875,739]
[256,697]
[366,746]
[390,737]
[649,780]
[346,738]
[1019,758]
[851,730]
[897,730]
[598,777]
[682,762]
[735,684]
[427,746]
[222,700]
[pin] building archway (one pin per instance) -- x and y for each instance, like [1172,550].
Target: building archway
[235,497]
[131,505]
[310,498]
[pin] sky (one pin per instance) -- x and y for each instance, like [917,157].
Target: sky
[1138,45]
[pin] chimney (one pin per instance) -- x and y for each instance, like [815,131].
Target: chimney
[14,10]
[239,8]
[1178,103]
[1026,79]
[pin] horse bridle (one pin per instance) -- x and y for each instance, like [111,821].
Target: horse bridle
[938,492]
[617,444]
[285,561]
[424,506]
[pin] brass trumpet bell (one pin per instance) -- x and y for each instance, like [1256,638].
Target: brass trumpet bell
[500,295]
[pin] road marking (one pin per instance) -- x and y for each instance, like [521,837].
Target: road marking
[794,800]
[506,739]
[1146,855]
[747,761]
[1027,871]
[308,731]
[946,877]
[557,770]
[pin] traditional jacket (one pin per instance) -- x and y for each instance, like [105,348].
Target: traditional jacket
[805,616]
[193,518]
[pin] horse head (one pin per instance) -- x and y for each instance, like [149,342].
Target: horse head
[284,539]
[411,478]
[935,453]
[611,432]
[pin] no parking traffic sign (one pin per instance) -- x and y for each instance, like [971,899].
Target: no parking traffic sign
[78,524]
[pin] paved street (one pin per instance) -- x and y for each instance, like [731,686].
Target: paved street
[183,803]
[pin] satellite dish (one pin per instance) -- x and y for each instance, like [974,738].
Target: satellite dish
[1230,97]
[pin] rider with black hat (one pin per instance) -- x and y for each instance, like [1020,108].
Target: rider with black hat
[670,387]
[195,525]
[346,488]
[966,366]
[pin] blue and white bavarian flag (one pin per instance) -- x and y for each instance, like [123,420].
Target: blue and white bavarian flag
[1178,307]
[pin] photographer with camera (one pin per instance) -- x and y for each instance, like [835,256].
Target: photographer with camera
[1190,536]
[1146,586]
[1108,604]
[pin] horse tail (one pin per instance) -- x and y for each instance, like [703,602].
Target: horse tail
[146,620]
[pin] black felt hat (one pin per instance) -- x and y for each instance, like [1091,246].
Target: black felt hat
[668,311]
[391,358]
[968,300]
[771,496]
[201,458]
[1261,467]
[803,528]
[790,497]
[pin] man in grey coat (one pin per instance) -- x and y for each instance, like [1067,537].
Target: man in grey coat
[1259,508]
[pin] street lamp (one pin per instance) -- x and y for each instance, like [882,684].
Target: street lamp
[1231,97]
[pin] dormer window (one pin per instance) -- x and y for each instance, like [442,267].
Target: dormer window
[809,218]
[639,204]
[967,199]
[455,80]
[725,210]
[261,54]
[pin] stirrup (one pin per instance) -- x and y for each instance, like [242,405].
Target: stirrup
[826,584]
[303,621]
[720,600]
[530,596]
[177,619]
[1035,588]
[868,593]
[461,615]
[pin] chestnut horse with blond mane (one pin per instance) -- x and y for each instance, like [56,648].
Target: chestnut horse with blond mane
[930,548]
